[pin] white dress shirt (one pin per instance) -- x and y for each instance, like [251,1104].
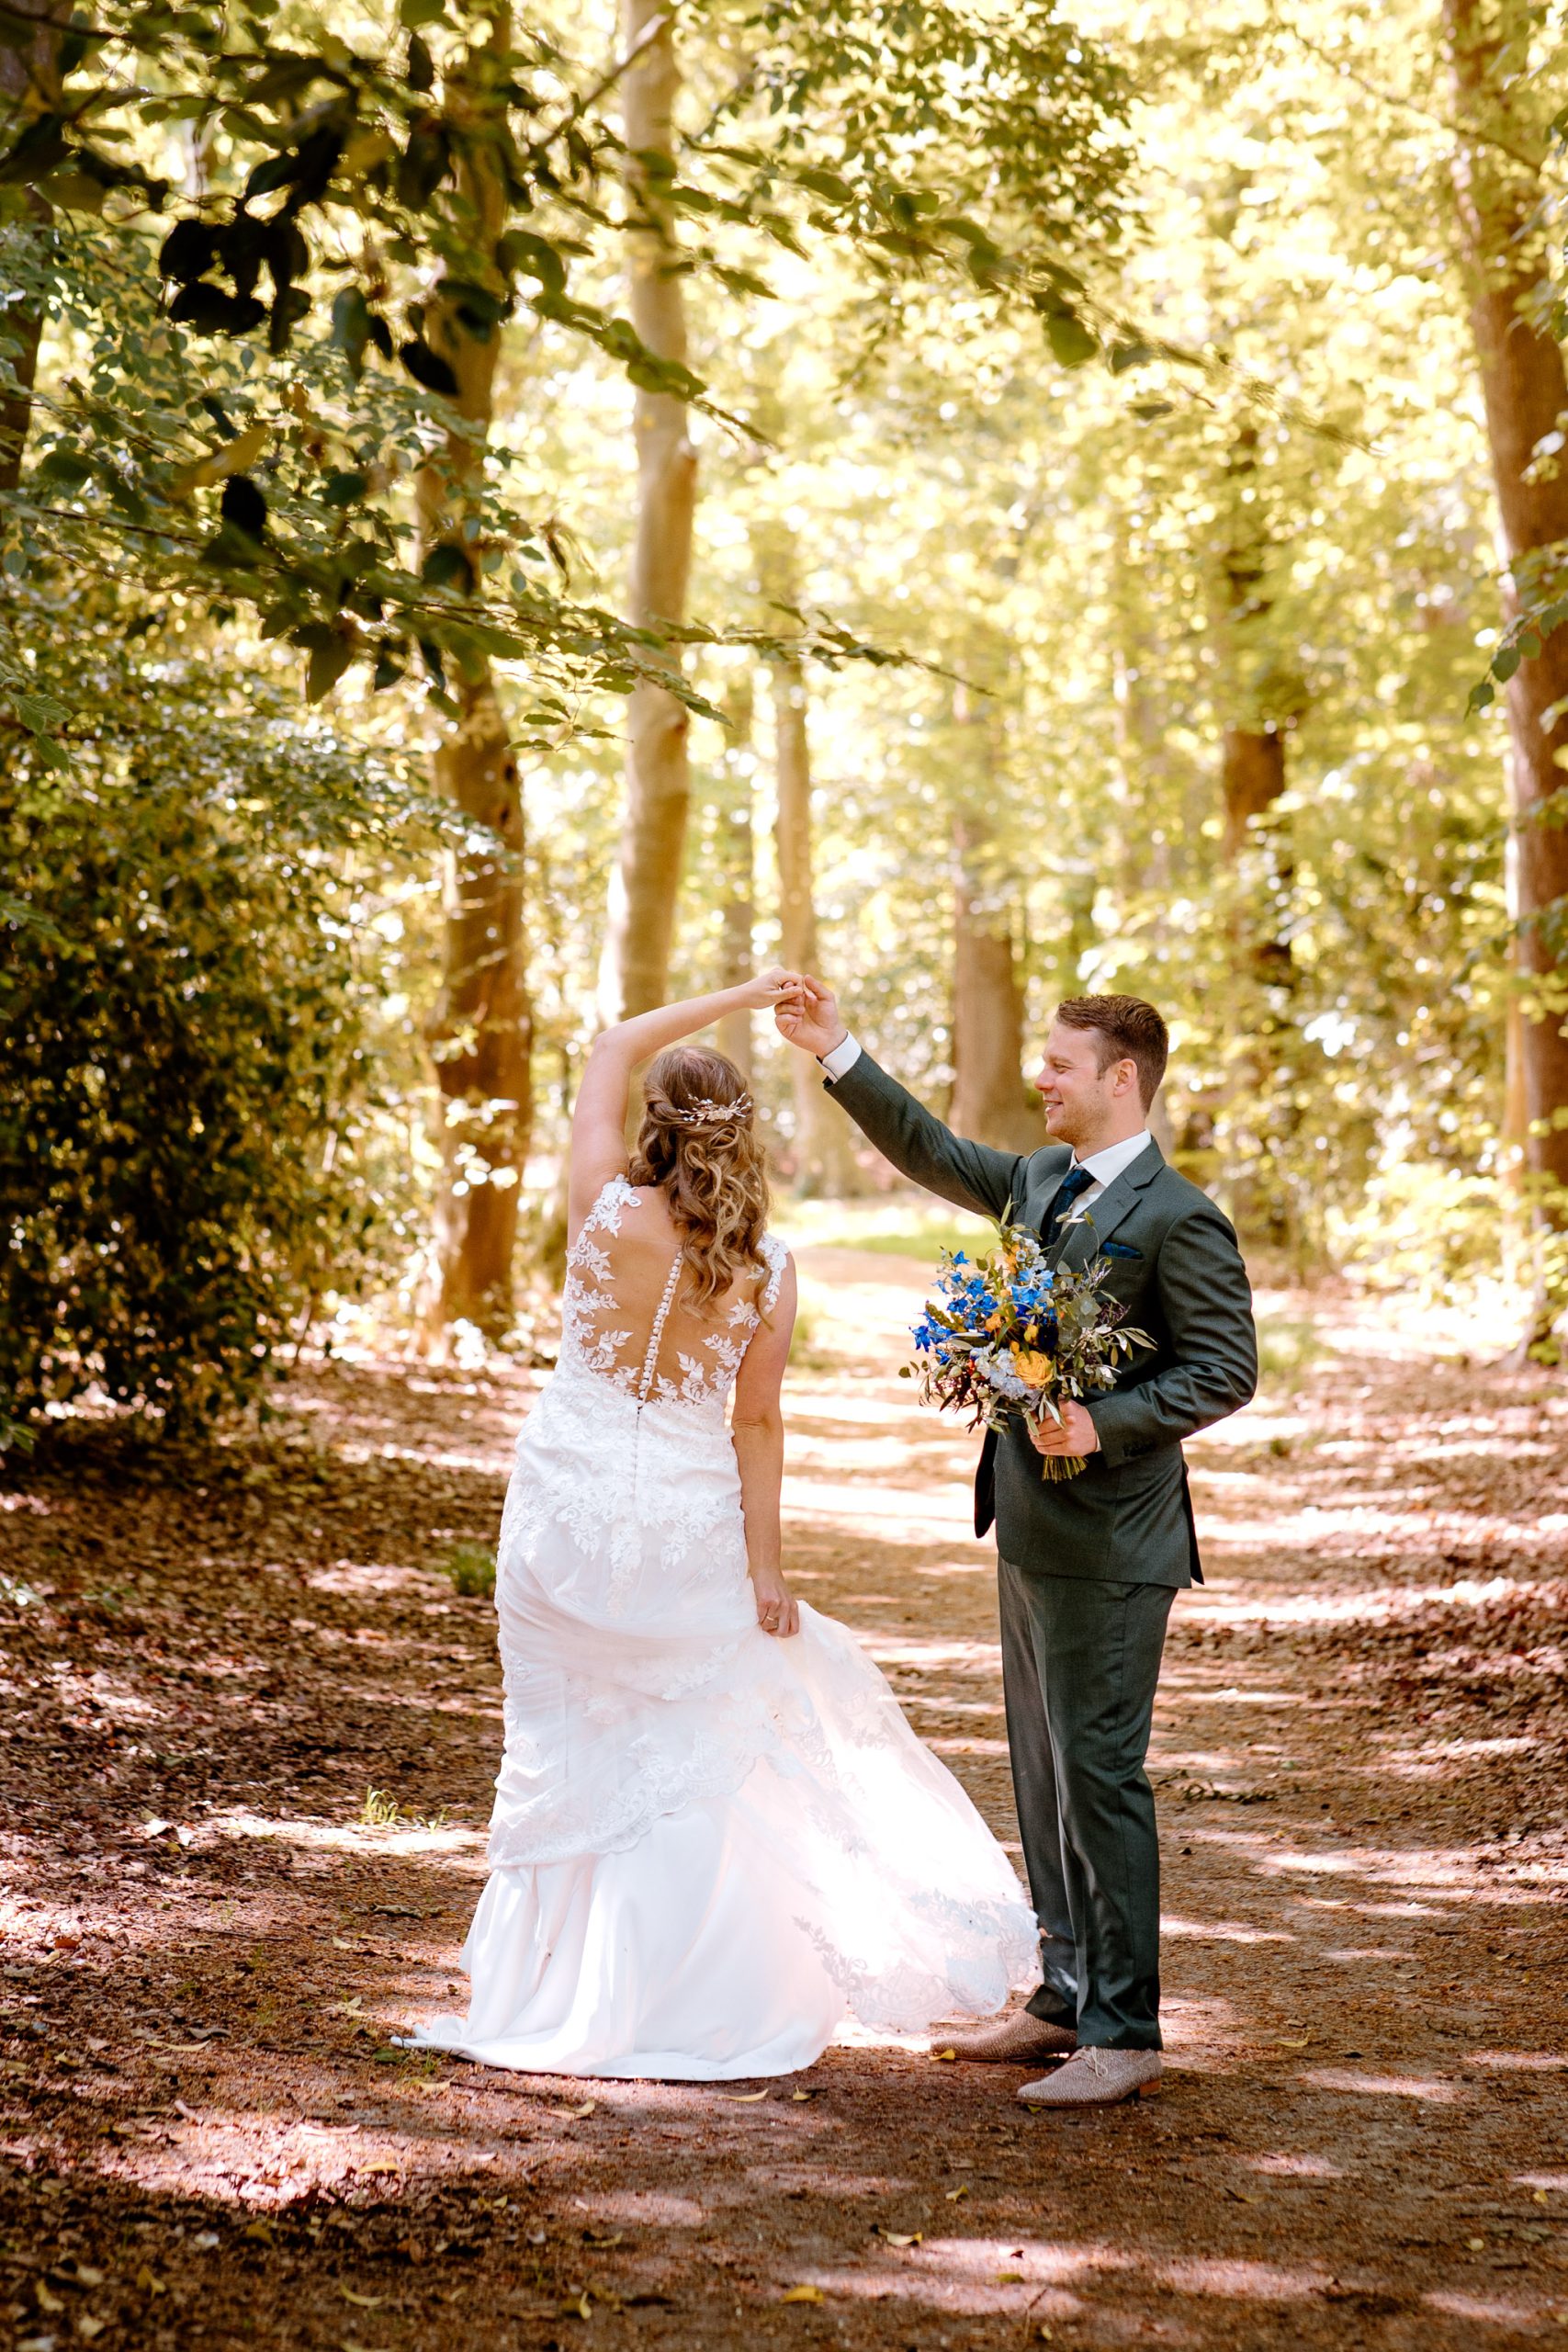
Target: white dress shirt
[1104,1166]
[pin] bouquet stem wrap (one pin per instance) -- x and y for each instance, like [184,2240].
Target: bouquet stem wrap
[1007,1333]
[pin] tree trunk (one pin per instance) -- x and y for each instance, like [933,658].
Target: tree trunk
[635,968]
[1500,196]
[824,1154]
[734,850]
[991,1102]
[480,1031]
[29,85]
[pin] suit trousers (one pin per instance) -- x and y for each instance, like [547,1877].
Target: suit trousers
[1080,1660]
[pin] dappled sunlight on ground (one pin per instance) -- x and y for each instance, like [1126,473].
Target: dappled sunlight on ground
[251,1733]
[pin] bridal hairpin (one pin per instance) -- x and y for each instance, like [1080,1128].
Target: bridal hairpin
[705,1114]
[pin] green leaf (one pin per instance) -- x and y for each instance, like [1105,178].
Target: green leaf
[330,657]
[413,14]
[41,713]
[344,488]
[1504,661]
[521,249]
[1071,342]
[67,467]
[829,185]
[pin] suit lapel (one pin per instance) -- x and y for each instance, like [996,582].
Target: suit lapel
[1082,1241]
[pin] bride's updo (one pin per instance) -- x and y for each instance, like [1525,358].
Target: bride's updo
[698,1143]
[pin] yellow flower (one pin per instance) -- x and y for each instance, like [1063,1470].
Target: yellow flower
[994,1322]
[1031,1366]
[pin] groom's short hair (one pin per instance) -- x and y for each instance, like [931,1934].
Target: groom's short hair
[1124,1026]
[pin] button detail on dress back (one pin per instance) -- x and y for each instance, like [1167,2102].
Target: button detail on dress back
[654,1337]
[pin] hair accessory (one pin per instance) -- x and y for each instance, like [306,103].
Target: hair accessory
[704,1112]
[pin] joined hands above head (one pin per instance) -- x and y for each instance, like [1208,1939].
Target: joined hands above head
[808,1016]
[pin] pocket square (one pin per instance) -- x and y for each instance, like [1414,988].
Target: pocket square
[1122,1250]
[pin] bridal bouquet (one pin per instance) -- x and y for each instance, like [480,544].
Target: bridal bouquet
[1009,1333]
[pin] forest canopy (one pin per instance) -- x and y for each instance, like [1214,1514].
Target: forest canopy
[511,512]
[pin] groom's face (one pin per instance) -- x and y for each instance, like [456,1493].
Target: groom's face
[1079,1097]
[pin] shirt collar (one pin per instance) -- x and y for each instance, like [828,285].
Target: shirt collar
[1107,1165]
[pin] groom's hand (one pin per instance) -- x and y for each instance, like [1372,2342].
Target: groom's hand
[1074,1434]
[811,1020]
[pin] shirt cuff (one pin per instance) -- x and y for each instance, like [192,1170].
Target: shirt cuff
[842,1058]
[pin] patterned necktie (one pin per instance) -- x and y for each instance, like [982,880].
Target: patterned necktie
[1076,1181]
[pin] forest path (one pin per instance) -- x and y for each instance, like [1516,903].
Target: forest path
[1361,1752]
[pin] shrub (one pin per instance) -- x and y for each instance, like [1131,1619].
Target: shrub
[183,1078]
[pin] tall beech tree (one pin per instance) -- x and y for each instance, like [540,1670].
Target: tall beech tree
[1500,197]
[480,1030]
[824,1162]
[636,967]
[990,1101]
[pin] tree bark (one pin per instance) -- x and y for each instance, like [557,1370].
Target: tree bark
[29,85]
[735,846]
[824,1155]
[635,967]
[480,1032]
[991,1102]
[1499,194]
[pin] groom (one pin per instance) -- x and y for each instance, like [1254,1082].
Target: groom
[1088,1566]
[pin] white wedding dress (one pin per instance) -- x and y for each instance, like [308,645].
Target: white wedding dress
[709,1846]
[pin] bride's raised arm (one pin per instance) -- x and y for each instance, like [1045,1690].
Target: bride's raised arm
[599,1117]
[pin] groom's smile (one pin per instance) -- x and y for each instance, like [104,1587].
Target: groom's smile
[1087,1106]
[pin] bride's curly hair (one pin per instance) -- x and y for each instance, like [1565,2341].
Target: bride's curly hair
[698,1143]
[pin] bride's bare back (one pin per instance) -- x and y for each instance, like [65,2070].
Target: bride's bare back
[630,1311]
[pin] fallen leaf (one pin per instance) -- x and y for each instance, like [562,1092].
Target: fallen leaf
[613,2237]
[799,2096]
[1010,2279]
[801,2295]
[1476,2245]
[580,2309]
[1540,2197]
[88,2327]
[744,2099]
[362,2303]
[260,2231]
[902,2237]
[942,2054]
[383,2163]
[954,2194]
[47,2301]
[1283,2042]
[574,2114]
[148,2284]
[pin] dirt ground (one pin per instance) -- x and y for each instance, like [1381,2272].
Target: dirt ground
[249,1733]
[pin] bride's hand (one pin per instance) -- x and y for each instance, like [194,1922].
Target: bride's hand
[778,1611]
[770,990]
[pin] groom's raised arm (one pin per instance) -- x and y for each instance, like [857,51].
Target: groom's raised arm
[971,1175]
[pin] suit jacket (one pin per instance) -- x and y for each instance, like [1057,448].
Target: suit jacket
[1176,1268]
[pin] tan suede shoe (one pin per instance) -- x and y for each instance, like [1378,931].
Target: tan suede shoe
[1017,2040]
[1097,2078]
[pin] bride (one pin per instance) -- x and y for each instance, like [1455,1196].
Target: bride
[714,1835]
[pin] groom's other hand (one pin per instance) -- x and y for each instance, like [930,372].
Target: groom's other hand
[811,1019]
[1074,1434]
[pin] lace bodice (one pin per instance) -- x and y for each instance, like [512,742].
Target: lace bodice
[653,1344]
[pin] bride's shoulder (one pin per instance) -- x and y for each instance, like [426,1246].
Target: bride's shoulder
[604,1214]
[775,1258]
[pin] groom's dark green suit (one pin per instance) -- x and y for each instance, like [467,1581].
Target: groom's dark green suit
[1088,1566]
